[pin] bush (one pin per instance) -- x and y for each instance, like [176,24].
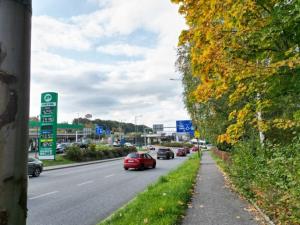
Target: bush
[177,144]
[224,147]
[94,152]
[271,176]
[74,153]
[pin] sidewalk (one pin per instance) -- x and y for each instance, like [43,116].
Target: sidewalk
[213,203]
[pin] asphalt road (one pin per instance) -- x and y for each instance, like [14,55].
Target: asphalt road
[86,195]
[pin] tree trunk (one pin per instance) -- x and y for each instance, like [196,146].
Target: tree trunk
[15,34]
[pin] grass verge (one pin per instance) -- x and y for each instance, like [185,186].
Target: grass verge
[219,161]
[163,203]
[60,160]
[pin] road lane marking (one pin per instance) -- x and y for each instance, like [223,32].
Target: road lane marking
[43,195]
[84,183]
[78,169]
[111,175]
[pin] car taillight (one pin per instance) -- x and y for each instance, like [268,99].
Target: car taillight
[131,160]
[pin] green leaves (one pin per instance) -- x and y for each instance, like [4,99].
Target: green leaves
[239,50]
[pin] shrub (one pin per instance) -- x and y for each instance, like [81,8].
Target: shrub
[94,152]
[177,144]
[271,176]
[74,153]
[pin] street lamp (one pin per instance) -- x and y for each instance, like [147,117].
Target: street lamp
[135,125]
[175,79]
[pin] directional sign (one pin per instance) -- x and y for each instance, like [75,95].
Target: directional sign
[184,126]
[99,130]
[48,126]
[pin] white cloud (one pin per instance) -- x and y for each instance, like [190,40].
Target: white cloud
[123,49]
[115,90]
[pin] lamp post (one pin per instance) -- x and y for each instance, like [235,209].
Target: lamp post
[135,126]
[15,36]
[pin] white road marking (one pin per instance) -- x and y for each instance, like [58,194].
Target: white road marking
[82,169]
[84,183]
[111,175]
[43,195]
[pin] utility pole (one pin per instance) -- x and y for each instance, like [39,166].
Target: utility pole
[15,36]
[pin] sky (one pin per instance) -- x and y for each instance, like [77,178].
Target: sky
[109,58]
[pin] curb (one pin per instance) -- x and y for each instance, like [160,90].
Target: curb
[266,218]
[49,168]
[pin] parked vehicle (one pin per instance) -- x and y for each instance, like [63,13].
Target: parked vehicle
[165,153]
[61,148]
[139,160]
[181,152]
[34,167]
[128,144]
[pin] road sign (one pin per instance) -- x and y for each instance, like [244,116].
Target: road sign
[108,132]
[99,130]
[48,126]
[158,127]
[184,126]
[197,134]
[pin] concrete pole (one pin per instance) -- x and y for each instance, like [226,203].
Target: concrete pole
[15,35]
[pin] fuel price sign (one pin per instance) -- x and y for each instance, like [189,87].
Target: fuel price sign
[48,126]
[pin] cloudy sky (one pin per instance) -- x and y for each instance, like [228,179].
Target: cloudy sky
[110,58]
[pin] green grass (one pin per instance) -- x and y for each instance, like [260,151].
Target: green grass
[60,160]
[162,203]
[219,161]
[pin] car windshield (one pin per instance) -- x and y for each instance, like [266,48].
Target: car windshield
[133,155]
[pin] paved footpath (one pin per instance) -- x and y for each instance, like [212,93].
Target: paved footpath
[213,203]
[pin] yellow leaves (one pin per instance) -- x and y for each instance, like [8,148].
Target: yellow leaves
[232,115]
[228,57]
[284,123]
[223,138]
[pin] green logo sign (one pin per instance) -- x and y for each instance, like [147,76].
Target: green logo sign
[47,97]
[48,126]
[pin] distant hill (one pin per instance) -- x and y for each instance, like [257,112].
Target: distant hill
[114,126]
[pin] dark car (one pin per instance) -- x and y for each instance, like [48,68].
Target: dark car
[61,148]
[187,150]
[34,167]
[181,152]
[139,160]
[165,153]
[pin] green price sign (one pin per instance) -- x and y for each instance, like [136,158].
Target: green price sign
[48,126]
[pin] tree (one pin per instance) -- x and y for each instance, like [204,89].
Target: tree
[246,53]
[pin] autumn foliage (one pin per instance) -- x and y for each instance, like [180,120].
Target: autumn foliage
[246,52]
[240,65]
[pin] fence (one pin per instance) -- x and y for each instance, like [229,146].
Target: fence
[225,156]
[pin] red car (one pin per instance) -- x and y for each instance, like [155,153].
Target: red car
[194,149]
[181,152]
[139,160]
